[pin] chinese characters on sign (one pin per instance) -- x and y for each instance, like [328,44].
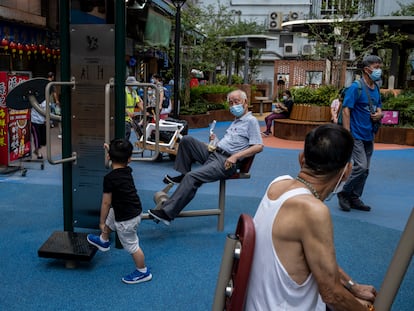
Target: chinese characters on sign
[14,124]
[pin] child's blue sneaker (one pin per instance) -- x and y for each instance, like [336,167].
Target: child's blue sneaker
[95,240]
[137,277]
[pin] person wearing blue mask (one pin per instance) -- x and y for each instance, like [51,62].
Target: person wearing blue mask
[361,116]
[242,139]
[132,100]
[281,110]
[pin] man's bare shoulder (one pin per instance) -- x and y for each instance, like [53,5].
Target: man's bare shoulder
[306,211]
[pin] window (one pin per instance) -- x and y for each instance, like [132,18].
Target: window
[314,77]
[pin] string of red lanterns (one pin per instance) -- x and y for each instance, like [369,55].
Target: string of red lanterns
[29,49]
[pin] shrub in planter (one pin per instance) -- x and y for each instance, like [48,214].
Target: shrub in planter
[205,93]
[321,96]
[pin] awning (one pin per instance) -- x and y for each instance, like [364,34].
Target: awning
[164,6]
[157,30]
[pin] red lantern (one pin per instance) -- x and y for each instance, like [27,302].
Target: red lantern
[13,47]
[20,49]
[48,53]
[28,50]
[33,48]
[5,44]
[41,49]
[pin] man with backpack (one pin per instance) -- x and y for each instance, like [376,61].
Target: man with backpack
[361,115]
[164,99]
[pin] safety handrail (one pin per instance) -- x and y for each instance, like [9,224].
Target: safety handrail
[48,117]
[107,117]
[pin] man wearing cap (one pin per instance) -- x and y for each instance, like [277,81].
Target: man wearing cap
[361,112]
[132,100]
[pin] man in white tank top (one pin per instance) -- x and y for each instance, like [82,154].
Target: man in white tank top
[294,265]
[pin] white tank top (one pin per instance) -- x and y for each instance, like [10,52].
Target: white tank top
[270,286]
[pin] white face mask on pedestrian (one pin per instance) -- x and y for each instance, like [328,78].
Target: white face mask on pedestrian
[339,185]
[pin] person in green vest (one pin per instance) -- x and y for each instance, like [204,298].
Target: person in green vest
[132,100]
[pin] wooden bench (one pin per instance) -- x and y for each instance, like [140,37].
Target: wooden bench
[294,129]
[242,173]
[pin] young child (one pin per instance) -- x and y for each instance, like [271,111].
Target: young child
[121,210]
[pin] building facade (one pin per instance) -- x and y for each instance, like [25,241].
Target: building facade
[292,43]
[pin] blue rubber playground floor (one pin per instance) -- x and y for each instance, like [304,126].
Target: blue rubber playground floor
[185,257]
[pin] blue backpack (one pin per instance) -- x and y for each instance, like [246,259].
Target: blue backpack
[343,96]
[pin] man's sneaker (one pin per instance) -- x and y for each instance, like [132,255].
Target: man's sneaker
[356,203]
[160,215]
[95,240]
[344,202]
[137,277]
[173,180]
[266,133]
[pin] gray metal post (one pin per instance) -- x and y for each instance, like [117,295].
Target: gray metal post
[397,268]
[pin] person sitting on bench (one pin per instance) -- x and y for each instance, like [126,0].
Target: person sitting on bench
[281,111]
[242,139]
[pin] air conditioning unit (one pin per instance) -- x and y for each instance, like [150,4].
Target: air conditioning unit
[275,20]
[308,49]
[289,49]
[295,15]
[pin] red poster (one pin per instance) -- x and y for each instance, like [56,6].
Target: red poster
[19,134]
[14,124]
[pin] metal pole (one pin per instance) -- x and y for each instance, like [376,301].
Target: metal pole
[398,268]
[120,70]
[246,64]
[177,61]
[66,113]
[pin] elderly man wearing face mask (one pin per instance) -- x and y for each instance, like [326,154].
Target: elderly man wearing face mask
[361,115]
[242,139]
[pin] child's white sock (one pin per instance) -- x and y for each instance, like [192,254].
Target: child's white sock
[102,240]
[142,270]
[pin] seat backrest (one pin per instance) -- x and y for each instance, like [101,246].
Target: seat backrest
[244,168]
[246,234]
[235,267]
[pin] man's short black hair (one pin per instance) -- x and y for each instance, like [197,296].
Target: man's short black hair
[328,148]
[369,60]
[120,150]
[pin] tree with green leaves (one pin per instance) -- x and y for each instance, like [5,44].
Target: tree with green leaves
[203,44]
[348,32]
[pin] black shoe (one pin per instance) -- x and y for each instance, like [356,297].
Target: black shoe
[173,180]
[356,203]
[344,202]
[160,215]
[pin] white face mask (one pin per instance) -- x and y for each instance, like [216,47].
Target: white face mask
[338,187]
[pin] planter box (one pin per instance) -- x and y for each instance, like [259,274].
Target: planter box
[197,120]
[221,115]
[304,112]
[395,135]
